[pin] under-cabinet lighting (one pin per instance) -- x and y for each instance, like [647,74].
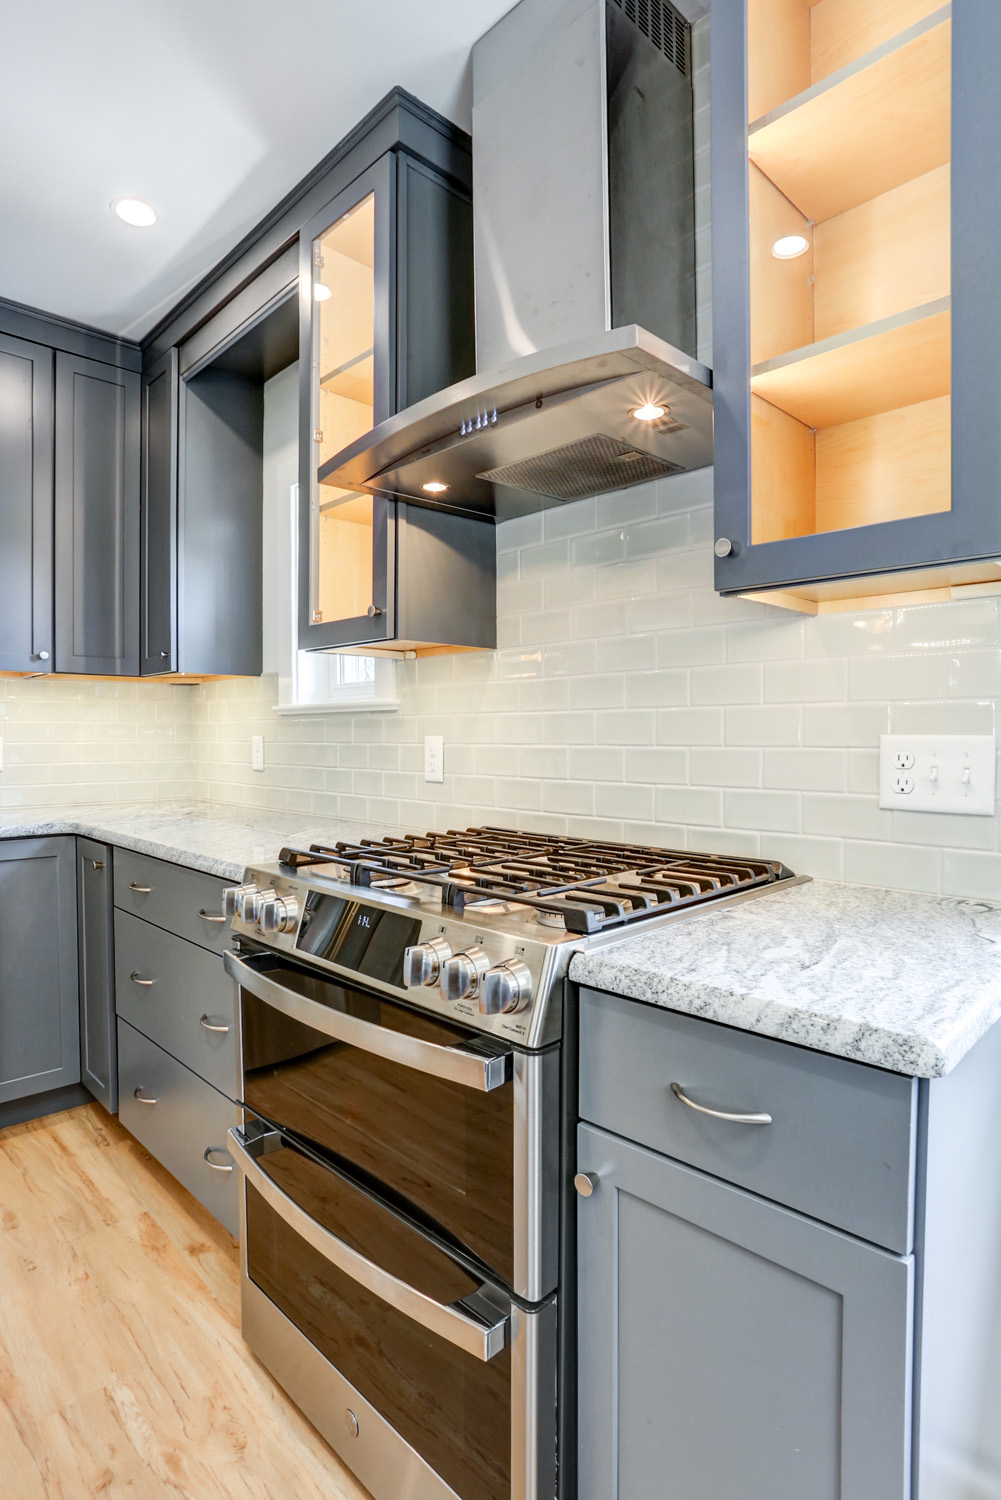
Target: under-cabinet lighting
[650,412]
[790,246]
[320,292]
[434,487]
[134,211]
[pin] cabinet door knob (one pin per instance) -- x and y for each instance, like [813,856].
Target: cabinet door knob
[724,547]
[373,611]
[585,1183]
[40,656]
[164,655]
[97,864]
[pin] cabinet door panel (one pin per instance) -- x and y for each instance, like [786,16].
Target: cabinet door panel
[158,638]
[95,914]
[25,506]
[730,1347]
[39,1014]
[97,518]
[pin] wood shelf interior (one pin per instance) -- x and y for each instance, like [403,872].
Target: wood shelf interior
[850,340]
[344,332]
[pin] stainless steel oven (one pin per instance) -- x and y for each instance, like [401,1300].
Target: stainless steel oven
[399,1232]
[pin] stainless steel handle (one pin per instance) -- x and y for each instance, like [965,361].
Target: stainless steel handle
[137,979]
[217,1166]
[585,1183]
[210,1026]
[450,1321]
[137,1093]
[40,656]
[97,864]
[143,890]
[373,611]
[473,1069]
[723,547]
[164,655]
[719,1114]
[208,916]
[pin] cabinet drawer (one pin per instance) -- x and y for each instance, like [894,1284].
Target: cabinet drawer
[840,1146]
[179,900]
[188,1119]
[175,993]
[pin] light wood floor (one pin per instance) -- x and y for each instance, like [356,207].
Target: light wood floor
[123,1375]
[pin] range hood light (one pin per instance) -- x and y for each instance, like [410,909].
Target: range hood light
[650,412]
[320,292]
[434,487]
[790,246]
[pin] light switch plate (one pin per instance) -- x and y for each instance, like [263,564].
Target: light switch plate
[946,773]
[434,757]
[257,752]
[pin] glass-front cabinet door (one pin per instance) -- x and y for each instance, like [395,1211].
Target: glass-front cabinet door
[346,356]
[850,144]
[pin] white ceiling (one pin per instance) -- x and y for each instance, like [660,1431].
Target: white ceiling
[210,110]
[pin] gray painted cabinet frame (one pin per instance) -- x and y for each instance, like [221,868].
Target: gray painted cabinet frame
[730,1347]
[971,530]
[26,412]
[95,918]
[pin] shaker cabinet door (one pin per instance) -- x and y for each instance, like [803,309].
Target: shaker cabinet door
[97,518]
[158,542]
[729,1347]
[25,506]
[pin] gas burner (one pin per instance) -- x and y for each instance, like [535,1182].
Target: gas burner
[551,919]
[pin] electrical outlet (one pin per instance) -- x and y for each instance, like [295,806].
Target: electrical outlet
[257,752]
[434,757]
[947,773]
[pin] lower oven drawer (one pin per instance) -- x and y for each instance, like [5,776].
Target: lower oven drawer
[428,1381]
[180,1119]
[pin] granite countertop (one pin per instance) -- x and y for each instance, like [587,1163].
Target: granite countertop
[905,982]
[218,839]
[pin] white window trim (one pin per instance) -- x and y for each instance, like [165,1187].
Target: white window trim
[294,699]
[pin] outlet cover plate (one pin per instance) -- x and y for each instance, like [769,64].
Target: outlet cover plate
[949,773]
[257,752]
[434,757]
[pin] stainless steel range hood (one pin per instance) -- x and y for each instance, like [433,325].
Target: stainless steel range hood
[585,274]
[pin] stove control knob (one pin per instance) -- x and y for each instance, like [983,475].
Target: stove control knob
[244,901]
[233,896]
[423,963]
[507,988]
[279,915]
[254,902]
[461,975]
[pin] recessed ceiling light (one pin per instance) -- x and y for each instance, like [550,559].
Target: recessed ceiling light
[790,246]
[134,211]
[650,412]
[320,292]
[434,487]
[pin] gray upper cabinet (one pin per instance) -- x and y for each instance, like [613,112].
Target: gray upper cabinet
[856,297]
[97,517]
[729,1347]
[25,506]
[158,544]
[95,917]
[39,1014]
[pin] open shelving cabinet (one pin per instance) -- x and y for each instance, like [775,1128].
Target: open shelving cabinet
[839,247]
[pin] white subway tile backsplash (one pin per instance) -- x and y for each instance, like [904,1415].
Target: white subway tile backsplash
[819,681]
[655,765]
[907,867]
[963,625]
[690,726]
[627,580]
[656,689]
[690,805]
[807,770]
[701,647]
[968,874]
[944,829]
[898,677]
[736,684]
[850,635]
[713,767]
[778,638]
[845,724]
[625,727]
[773,811]
[771,725]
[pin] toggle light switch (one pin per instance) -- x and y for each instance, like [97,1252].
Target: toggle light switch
[948,773]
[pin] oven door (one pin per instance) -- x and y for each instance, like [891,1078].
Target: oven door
[429,1382]
[459,1130]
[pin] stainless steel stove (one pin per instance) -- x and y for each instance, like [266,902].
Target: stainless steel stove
[407,1140]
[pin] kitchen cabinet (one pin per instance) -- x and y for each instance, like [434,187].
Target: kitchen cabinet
[39,1011]
[386,319]
[747,1325]
[95,918]
[158,517]
[857,298]
[26,408]
[96,517]
[732,1345]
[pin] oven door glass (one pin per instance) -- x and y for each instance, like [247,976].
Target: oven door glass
[440,1370]
[421,1109]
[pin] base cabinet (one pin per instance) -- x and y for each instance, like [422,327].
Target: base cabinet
[95,923]
[735,1346]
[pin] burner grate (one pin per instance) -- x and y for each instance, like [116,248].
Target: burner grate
[590,884]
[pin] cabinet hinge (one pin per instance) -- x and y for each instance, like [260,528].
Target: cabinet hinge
[317,617]
[317,435]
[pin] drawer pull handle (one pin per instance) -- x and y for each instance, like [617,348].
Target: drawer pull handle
[144,1098]
[211,1026]
[719,1114]
[140,890]
[136,978]
[217,1166]
[207,916]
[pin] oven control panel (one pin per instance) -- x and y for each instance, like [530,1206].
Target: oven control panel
[491,980]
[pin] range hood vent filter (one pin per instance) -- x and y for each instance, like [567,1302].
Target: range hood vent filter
[661,24]
[593,466]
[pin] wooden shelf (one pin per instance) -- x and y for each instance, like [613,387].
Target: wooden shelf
[895,362]
[354,378]
[868,128]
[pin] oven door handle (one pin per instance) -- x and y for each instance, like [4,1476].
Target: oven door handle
[483,1337]
[459,1064]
